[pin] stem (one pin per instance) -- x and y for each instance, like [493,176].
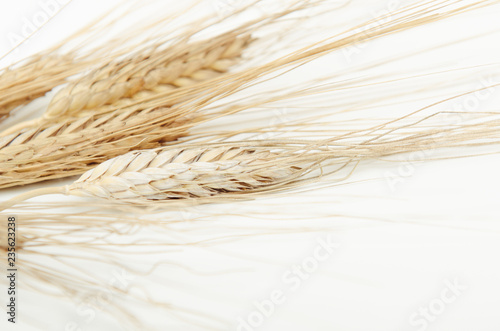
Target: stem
[18,127]
[31,194]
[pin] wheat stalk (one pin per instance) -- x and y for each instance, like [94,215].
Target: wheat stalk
[181,173]
[232,170]
[178,173]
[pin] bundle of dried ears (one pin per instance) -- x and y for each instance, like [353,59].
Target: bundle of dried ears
[155,117]
[125,124]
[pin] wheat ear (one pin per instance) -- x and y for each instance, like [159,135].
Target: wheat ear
[141,77]
[116,81]
[176,173]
